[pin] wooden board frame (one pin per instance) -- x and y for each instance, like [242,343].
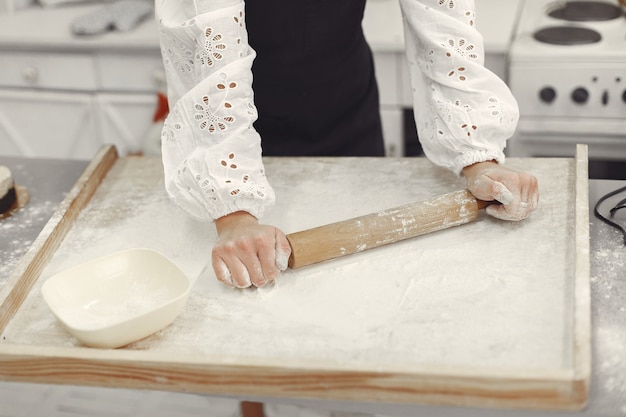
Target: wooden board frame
[565,389]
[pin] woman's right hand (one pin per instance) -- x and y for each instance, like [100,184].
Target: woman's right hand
[248,253]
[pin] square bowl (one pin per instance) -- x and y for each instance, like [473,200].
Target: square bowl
[117,299]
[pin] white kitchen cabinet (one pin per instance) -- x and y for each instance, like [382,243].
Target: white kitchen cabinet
[124,119]
[47,124]
[128,71]
[63,96]
[393,130]
[387,65]
[72,125]
[47,70]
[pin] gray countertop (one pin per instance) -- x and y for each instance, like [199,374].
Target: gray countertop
[49,180]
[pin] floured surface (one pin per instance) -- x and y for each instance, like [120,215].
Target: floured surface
[487,294]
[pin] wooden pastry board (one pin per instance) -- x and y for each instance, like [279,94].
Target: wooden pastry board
[489,314]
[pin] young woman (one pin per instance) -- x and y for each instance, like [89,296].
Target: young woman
[296,76]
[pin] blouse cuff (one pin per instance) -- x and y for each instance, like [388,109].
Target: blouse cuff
[471,158]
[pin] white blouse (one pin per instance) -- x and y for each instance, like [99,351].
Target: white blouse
[211,151]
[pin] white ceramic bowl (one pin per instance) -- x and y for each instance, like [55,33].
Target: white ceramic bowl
[119,298]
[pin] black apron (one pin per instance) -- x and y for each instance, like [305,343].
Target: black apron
[314,83]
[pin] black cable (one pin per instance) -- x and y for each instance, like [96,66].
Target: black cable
[618,206]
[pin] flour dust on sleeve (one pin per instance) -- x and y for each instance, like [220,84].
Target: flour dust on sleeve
[211,151]
[464,112]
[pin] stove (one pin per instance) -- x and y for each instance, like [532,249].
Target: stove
[567,69]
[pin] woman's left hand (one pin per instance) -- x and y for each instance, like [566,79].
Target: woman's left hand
[518,192]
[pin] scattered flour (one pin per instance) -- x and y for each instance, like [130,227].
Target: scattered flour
[483,294]
[25,222]
[609,336]
[611,255]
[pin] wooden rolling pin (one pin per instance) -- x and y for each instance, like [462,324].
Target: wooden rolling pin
[378,229]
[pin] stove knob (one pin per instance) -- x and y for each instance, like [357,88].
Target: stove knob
[547,94]
[580,95]
[624,96]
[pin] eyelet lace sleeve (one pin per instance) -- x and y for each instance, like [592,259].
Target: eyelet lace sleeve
[211,152]
[464,112]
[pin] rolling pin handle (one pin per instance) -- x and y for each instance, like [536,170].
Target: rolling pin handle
[377,229]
